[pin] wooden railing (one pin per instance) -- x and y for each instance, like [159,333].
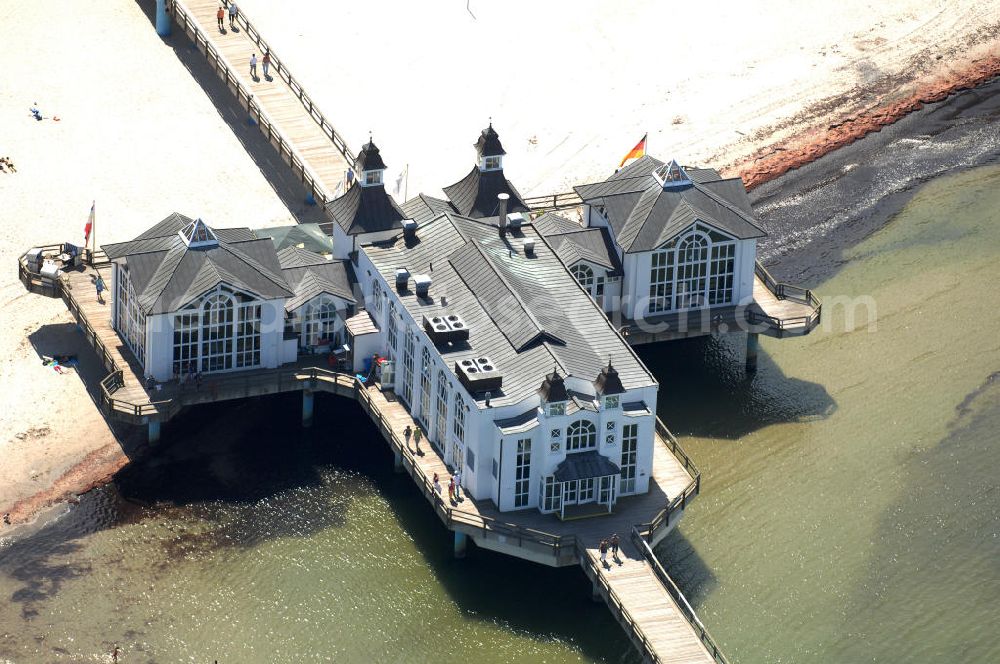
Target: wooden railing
[679,502]
[245,98]
[558,546]
[278,66]
[553,202]
[784,291]
[678,597]
[631,625]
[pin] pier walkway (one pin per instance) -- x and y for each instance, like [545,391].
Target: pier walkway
[641,596]
[286,115]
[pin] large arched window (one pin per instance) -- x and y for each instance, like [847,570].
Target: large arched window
[319,325]
[692,271]
[695,270]
[592,283]
[581,435]
[217,332]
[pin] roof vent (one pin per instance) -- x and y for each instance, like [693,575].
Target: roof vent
[446,328]
[515,220]
[402,279]
[422,283]
[529,246]
[478,374]
[502,203]
[409,229]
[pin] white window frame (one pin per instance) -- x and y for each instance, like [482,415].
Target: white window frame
[522,473]
[630,447]
[581,435]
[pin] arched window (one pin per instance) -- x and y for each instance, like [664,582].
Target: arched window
[585,276]
[217,333]
[696,270]
[692,271]
[320,322]
[581,435]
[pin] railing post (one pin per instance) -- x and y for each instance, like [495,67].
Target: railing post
[751,360]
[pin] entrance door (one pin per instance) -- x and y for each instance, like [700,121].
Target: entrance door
[607,491]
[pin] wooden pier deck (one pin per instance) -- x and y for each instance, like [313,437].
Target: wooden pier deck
[640,595]
[286,115]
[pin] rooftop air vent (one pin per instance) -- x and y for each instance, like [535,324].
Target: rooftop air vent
[446,328]
[409,229]
[515,220]
[422,284]
[529,247]
[402,279]
[479,374]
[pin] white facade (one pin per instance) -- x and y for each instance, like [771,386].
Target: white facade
[637,299]
[465,430]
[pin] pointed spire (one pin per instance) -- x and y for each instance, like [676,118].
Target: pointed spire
[553,388]
[608,381]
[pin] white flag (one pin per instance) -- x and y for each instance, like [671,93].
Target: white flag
[340,189]
[400,179]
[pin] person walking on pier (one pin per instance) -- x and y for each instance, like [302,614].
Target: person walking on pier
[253,66]
[407,432]
[265,64]
[221,14]
[614,547]
[232,14]
[458,484]
[603,548]
[99,287]
[437,485]
[451,490]
[416,438]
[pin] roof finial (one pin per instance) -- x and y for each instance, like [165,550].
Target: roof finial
[369,137]
[491,122]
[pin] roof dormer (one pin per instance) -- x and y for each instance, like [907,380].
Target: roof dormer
[369,165]
[489,150]
[198,234]
[671,176]
[553,394]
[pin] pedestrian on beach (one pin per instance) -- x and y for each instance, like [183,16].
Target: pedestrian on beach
[614,546]
[458,484]
[35,113]
[253,66]
[114,654]
[99,285]
[265,64]
[10,164]
[416,438]
[221,14]
[232,14]
[604,552]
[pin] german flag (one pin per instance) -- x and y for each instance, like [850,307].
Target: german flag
[638,151]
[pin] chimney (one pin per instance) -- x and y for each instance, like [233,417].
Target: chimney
[409,229]
[422,284]
[402,278]
[529,246]
[503,198]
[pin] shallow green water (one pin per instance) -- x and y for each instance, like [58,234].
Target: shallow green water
[850,506]
[851,510]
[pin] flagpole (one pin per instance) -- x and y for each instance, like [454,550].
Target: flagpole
[406,187]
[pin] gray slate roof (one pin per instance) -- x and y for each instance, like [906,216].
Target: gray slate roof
[584,465]
[473,267]
[488,143]
[644,215]
[573,243]
[423,208]
[309,274]
[310,236]
[475,195]
[369,158]
[365,210]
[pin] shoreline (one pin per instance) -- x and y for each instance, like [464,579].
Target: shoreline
[99,467]
[776,159]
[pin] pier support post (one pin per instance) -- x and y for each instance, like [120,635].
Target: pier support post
[162,19]
[752,341]
[307,408]
[461,542]
[154,432]
[397,461]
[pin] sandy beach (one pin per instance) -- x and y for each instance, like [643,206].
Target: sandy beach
[570,87]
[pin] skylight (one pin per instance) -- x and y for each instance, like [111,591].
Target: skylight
[198,234]
[671,175]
